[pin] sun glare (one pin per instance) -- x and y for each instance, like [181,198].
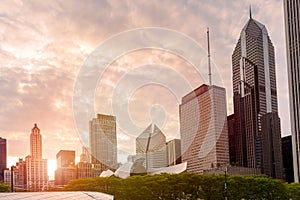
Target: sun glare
[51,169]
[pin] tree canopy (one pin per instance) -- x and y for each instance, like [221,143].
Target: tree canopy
[4,188]
[188,186]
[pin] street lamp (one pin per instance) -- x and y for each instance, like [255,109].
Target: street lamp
[225,184]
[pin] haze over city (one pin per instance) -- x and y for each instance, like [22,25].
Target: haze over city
[44,44]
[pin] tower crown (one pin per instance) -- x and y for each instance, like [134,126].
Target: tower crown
[36,142]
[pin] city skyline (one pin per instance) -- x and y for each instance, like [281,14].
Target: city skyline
[27,71]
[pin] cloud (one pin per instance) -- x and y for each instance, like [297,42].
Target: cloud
[43,45]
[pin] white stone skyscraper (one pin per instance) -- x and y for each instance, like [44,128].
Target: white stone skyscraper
[36,166]
[292,33]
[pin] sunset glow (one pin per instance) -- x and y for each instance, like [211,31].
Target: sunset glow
[45,44]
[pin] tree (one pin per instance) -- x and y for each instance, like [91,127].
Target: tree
[188,186]
[293,191]
[4,188]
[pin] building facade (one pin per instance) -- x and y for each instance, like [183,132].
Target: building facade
[231,138]
[66,169]
[174,152]
[287,155]
[84,170]
[255,95]
[292,33]
[103,141]
[65,158]
[271,140]
[3,158]
[36,166]
[85,156]
[20,175]
[203,128]
[151,147]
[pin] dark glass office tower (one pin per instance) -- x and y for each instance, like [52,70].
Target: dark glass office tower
[255,95]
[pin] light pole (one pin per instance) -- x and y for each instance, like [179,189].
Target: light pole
[225,184]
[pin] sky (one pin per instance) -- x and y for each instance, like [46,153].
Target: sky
[46,46]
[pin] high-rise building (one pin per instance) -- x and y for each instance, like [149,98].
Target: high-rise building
[287,156]
[84,170]
[36,143]
[292,33]
[36,166]
[3,158]
[151,147]
[85,156]
[20,175]
[66,169]
[203,128]
[103,141]
[271,140]
[174,152]
[255,95]
[65,158]
[231,138]
[7,177]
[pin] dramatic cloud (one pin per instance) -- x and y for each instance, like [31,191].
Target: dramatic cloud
[43,45]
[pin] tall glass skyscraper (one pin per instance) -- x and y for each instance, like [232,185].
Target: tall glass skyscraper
[257,144]
[292,32]
[103,141]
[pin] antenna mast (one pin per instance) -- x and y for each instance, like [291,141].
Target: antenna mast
[208,51]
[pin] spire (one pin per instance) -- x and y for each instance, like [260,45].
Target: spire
[208,52]
[250,13]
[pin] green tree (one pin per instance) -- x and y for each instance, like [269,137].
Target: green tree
[293,191]
[4,188]
[188,186]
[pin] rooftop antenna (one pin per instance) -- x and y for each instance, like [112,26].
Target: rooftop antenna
[208,51]
[250,13]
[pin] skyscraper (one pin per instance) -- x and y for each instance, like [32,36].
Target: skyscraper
[203,128]
[292,33]
[36,143]
[272,163]
[3,158]
[36,166]
[151,146]
[84,156]
[231,138]
[103,141]
[20,175]
[287,155]
[255,95]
